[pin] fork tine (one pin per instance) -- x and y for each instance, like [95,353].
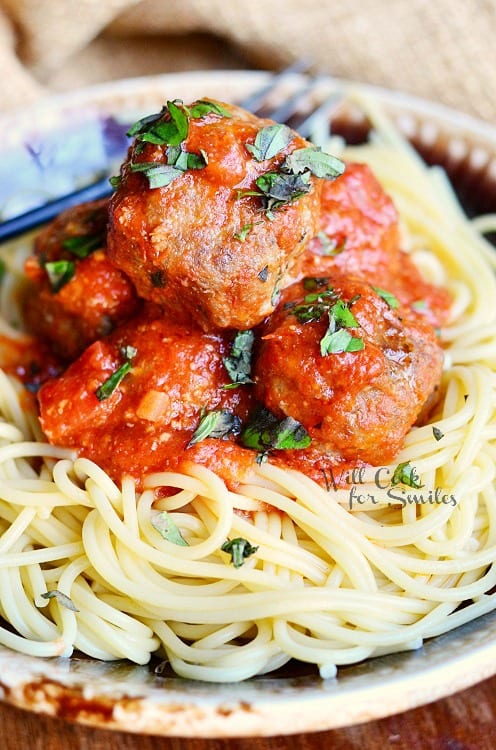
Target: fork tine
[254,101]
[311,127]
[292,104]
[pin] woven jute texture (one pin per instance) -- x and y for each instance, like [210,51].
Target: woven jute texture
[443,50]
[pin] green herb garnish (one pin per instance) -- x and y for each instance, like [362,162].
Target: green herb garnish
[311,283]
[405,473]
[205,107]
[184,160]
[163,523]
[239,549]
[160,131]
[115,181]
[263,275]
[243,232]
[438,434]
[336,338]
[62,599]
[280,188]
[238,364]
[60,272]
[158,175]
[270,141]
[316,161]
[216,424]
[386,296]
[107,388]
[265,432]
[83,245]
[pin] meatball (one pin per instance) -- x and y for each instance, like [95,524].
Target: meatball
[133,401]
[75,295]
[359,235]
[351,365]
[207,221]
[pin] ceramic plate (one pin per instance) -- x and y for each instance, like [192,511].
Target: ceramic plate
[71,140]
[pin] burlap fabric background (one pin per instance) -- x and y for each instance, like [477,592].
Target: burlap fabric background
[443,50]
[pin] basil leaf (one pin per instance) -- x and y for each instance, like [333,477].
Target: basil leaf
[438,434]
[316,161]
[158,175]
[238,364]
[338,341]
[314,306]
[62,599]
[269,141]
[204,107]
[329,245]
[405,473]
[115,181]
[263,275]
[60,272]
[184,160]
[141,126]
[216,424]
[239,549]
[163,523]
[313,282]
[343,316]
[386,296]
[265,432]
[283,187]
[160,131]
[243,232]
[107,388]
[83,245]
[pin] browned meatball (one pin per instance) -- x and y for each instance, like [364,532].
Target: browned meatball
[351,365]
[141,394]
[75,295]
[202,245]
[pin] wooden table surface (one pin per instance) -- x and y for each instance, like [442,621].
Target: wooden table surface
[464,721]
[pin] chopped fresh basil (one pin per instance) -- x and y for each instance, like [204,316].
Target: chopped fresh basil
[62,599]
[83,245]
[270,141]
[158,175]
[156,129]
[60,272]
[438,434]
[239,549]
[238,364]
[163,523]
[312,283]
[314,305]
[265,432]
[338,341]
[216,424]
[279,189]
[263,275]
[141,126]
[405,473]
[115,181]
[419,304]
[243,232]
[386,296]
[329,244]
[108,387]
[205,107]
[184,160]
[316,161]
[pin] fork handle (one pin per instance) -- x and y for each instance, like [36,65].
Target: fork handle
[31,219]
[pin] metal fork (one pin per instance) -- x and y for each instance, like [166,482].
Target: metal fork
[261,102]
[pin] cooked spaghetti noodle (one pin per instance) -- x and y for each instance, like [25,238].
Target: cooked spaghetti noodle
[338,575]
